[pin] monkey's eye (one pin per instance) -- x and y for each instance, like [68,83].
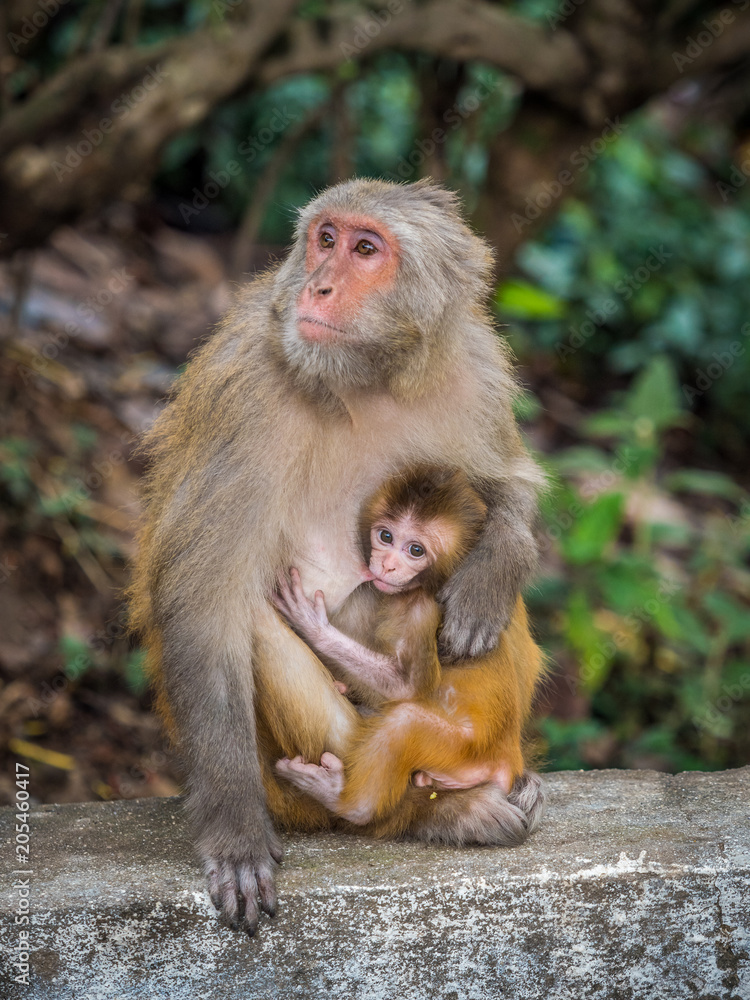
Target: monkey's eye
[416,551]
[385,536]
[366,248]
[326,241]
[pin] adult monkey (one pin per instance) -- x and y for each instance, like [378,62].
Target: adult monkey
[369,349]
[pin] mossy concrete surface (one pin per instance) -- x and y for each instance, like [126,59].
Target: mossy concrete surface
[637,886]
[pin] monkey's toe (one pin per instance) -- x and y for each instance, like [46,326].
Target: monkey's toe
[236,887]
[332,763]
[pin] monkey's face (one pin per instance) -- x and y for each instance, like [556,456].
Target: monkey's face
[377,273]
[342,322]
[400,551]
[348,259]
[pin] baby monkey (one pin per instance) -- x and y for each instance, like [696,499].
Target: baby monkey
[438,727]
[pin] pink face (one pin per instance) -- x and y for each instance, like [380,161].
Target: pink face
[398,554]
[348,258]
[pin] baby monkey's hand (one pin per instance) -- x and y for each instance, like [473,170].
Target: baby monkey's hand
[309,618]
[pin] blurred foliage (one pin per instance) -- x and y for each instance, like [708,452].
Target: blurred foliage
[47,492]
[652,256]
[643,280]
[649,599]
[374,131]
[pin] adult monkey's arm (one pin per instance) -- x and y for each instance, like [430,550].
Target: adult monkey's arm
[480,597]
[211,700]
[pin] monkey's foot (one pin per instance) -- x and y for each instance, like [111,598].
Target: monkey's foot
[464,777]
[324,782]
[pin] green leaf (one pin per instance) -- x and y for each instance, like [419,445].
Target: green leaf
[734,617]
[595,649]
[135,671]
[76,656]
[519,298]
[553,267]
[85,436]
[595,528]
[692,631]
[673,536]
[67,503]
[566,738]
[606,424]
[736,678]
[713,484]
[581,458]
[627,585]
[655,394]
[526,406]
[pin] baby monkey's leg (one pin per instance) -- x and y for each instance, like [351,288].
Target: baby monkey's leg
[379,769]
[408,741]
[325,782]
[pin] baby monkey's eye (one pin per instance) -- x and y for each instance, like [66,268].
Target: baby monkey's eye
[366,248]
[326,241]
[416,550]
[385,536]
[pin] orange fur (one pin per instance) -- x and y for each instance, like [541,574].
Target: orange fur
[464,722]
[492,695]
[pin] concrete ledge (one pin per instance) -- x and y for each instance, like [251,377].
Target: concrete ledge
[637,886]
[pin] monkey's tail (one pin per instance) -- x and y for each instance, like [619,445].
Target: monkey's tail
[483,815]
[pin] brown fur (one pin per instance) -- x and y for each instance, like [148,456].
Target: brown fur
[269,441]
[468,714]
[433,495]
[493,694]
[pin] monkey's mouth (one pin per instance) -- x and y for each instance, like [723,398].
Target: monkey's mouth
[386,588]
[316,329]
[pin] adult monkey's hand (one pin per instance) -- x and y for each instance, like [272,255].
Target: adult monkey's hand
[480,597]
[240,880]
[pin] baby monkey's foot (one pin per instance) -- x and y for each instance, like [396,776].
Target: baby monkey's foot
[465,777]
[324,782]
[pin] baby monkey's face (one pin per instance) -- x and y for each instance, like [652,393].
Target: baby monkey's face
[400,550]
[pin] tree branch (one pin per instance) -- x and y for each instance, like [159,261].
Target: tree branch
[461,30]
[98,127]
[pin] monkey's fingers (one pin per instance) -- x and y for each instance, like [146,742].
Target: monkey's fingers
[299,595]
[320,606]
[275,849]
[255,881]
[472,624]
[222,887]
[247,910]
[332,763]
[462,640]
[283,588]
[280,604]
[267,891]
[235,891]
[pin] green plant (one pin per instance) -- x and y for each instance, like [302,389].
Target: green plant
[649,603]
[648,258]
